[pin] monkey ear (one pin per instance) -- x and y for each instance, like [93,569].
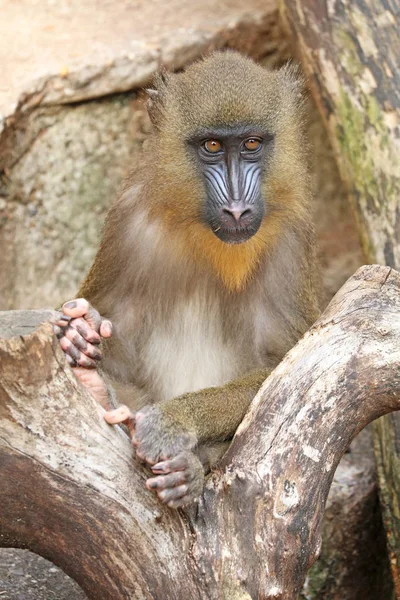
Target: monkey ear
[153,94]
[153,107]
[156,98]
[293,80]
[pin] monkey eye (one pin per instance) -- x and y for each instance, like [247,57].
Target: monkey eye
[212,146]
[252,145]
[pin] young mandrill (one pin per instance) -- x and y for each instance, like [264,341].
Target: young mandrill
[206,268]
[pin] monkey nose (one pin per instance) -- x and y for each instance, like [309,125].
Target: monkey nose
[236,215]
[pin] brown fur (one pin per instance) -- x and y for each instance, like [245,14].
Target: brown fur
[158,265]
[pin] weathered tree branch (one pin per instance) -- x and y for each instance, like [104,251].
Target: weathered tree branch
[72,491]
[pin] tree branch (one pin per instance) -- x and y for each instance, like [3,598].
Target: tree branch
[342,375]
[74,493]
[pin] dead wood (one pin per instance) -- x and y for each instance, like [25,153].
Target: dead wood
[72,491]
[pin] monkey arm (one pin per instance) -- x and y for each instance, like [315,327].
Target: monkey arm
[173,437]
[214,414]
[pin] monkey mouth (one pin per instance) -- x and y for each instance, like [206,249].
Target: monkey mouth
[235,235]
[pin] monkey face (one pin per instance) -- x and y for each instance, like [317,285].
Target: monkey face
[232,161]
[229,160]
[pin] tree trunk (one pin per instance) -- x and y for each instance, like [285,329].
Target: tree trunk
[351,53]
[72,492]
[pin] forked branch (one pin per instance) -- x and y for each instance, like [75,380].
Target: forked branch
[72,491]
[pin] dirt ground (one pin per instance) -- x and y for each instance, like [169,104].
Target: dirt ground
[26,576]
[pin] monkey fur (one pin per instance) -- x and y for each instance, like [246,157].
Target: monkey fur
[206,267]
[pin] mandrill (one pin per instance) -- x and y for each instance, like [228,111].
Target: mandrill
[206,268]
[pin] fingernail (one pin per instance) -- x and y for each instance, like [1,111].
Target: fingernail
[70,304]
[159,467]
[151,483]
[66,317]
[108,326]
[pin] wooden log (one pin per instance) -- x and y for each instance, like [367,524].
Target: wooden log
[353,556]
[72,492]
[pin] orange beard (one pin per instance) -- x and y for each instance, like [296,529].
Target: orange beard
[234,264]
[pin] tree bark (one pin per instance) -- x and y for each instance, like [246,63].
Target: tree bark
[353,556]
[351,53]
[72,492]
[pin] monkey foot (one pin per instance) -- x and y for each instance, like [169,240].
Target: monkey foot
[79,330]
[167,449]
[179,481]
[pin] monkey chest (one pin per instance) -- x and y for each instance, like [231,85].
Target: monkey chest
[191,351]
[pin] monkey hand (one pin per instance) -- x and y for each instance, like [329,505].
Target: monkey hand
[79,330]
[168,449]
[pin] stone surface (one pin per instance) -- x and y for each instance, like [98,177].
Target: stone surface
[46,57]
[27,576]
[61,161]
[71,164]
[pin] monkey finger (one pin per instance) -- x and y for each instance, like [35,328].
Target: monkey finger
[76,308]
[79,342]
[180,502]
[60,319]
[178,463]
[85,330]
[70,360]
[172,494]
[140,460]
[168,481]
[121,414]
[143,458]
[106,328]
[58,331]
[81,308]
[81,359]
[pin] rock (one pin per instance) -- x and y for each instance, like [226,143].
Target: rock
[63,159]
[47,59]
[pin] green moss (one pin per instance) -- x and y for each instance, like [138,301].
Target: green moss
[352,125]
[322,576]
[349,56]
[374,113]
[351,132]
